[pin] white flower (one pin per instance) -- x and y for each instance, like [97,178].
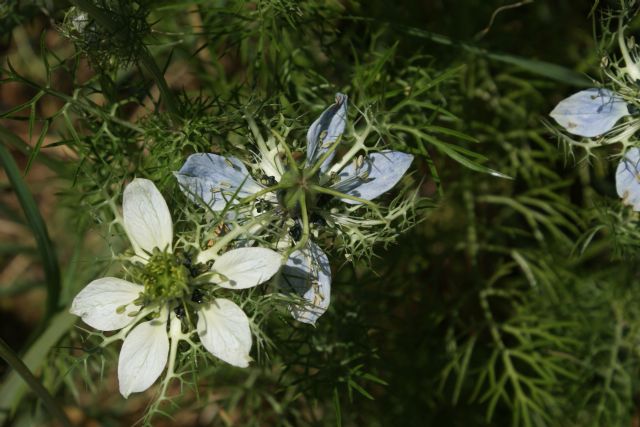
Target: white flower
[216,180]
[110,304]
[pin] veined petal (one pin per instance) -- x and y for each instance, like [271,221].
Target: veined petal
[307,273]
[146,216]
[375,175]
[590,112]
[224,331]
[326,130]
[143,356]
[107,303]
[628,178]
[246,267]
[213,180]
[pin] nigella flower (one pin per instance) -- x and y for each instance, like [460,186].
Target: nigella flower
[299,191]
[591,112]
[594,112]
[149,314]
[628,178]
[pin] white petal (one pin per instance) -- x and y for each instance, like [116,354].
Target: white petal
[628,178]
[143,357]
[590,112]
[326,130]
[307,273]
[247,267]
[213,180]
[377,174]
[105,304]
[146,217]
[224,331]
[271,164]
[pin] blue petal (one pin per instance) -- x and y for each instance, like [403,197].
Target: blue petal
[326,130]
[376,174]
[628,178]
[591,112]
[307,274]
[214,179]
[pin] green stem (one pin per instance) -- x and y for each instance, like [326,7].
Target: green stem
[85,104]
[631,66]
[338,194]
[305,228]
[212,252]
[292,161]
[359,145]
[175,332]
[102,18]
[305,220]
[316,167]
[39,228]
[16,142]
[260,193]
[49,402]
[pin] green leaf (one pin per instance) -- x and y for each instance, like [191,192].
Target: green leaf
[37,147]
[336,405]
[546,69]
[47,253]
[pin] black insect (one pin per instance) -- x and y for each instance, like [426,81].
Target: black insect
[197,296]
[193,269]
[179,311]
[295,232]
[323,200]
[261,206]
[269,181]
[632,109]
[318,220]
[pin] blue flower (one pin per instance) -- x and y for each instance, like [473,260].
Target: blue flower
[628,178]
[299,191]
[591,112]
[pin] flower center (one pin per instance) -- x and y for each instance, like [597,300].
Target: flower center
[298,185]
[164,277]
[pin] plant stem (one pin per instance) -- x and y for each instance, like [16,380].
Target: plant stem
[340,195]
[260,193]
[287,151]
[211,253]
[318,164]
[49,402]
[359,145]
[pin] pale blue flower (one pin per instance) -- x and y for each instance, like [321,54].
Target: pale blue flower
[216,180]
[628,178]
[591,112]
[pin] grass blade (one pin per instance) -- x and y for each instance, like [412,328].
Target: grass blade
[39,228]
[546,69]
